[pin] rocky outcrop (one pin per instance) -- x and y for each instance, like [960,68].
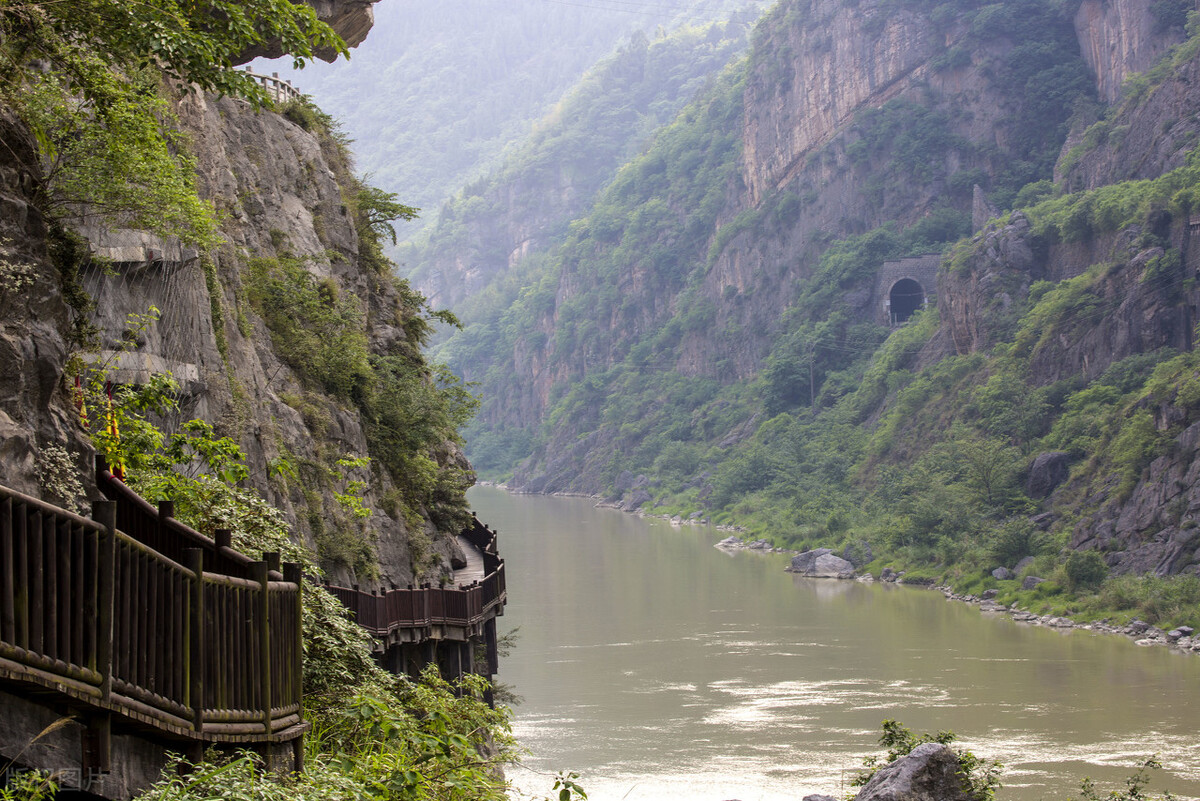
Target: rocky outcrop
[1047,471]
[280,192]
[1157,528]
[1151,136]
[979,299]
[842,58]
[982,295]
[927,773]
[1121,37]
[350,19]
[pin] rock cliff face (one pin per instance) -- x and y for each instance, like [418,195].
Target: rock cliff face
[1151,136]
[1156,529]
[1121,37]
[280,192]
[842,59]
[37,418]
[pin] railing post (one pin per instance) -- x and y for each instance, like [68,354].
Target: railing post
[293,573]
[258,570]
[166,510]
[105,513]
[272,560]
[195,638]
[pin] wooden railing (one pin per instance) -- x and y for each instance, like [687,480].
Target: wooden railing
[157,528]
[89,611]
[382,613]
[281,90]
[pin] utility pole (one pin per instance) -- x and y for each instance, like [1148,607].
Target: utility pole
[812,391]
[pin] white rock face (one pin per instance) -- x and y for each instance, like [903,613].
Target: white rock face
[1118,38]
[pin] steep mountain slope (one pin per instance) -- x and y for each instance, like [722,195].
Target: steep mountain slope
[723,320]
[552,177]
[674,224]
[439,90]
[288,333]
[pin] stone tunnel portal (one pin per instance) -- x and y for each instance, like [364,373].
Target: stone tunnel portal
[905,298]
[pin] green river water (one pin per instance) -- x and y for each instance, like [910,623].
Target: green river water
[660,667]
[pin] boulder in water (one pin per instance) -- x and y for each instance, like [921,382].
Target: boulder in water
[928,773]
[821,563]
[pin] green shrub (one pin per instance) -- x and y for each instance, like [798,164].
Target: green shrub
[316,328]
[1013,541]
[1085,570]
[980,777]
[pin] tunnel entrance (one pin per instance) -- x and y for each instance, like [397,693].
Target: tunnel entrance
[905,298]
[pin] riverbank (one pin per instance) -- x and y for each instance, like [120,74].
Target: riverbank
[1182,639]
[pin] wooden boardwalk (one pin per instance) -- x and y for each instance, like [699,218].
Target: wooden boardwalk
[417,626]
[133,621]
[475,571]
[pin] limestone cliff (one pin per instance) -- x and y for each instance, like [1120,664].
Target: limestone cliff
[842,59]
[1122,37]
[878,119]
[851,116]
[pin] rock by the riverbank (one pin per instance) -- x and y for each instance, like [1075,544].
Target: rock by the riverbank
[928,773]
[1181,638]
[735,543]
[821,563]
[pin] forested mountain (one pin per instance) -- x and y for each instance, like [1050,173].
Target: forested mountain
[555,174]
[439,89]
[793,312]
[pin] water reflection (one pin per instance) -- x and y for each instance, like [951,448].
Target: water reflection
[659,668]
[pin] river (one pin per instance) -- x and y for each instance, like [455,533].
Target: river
[660,667]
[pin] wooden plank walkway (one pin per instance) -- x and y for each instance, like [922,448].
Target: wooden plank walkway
[474,571]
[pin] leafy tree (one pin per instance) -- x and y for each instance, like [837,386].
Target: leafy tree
[101,112]
[192,42]
[1013,541]
[379,209]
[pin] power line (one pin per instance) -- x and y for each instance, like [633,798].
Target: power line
[665,14]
